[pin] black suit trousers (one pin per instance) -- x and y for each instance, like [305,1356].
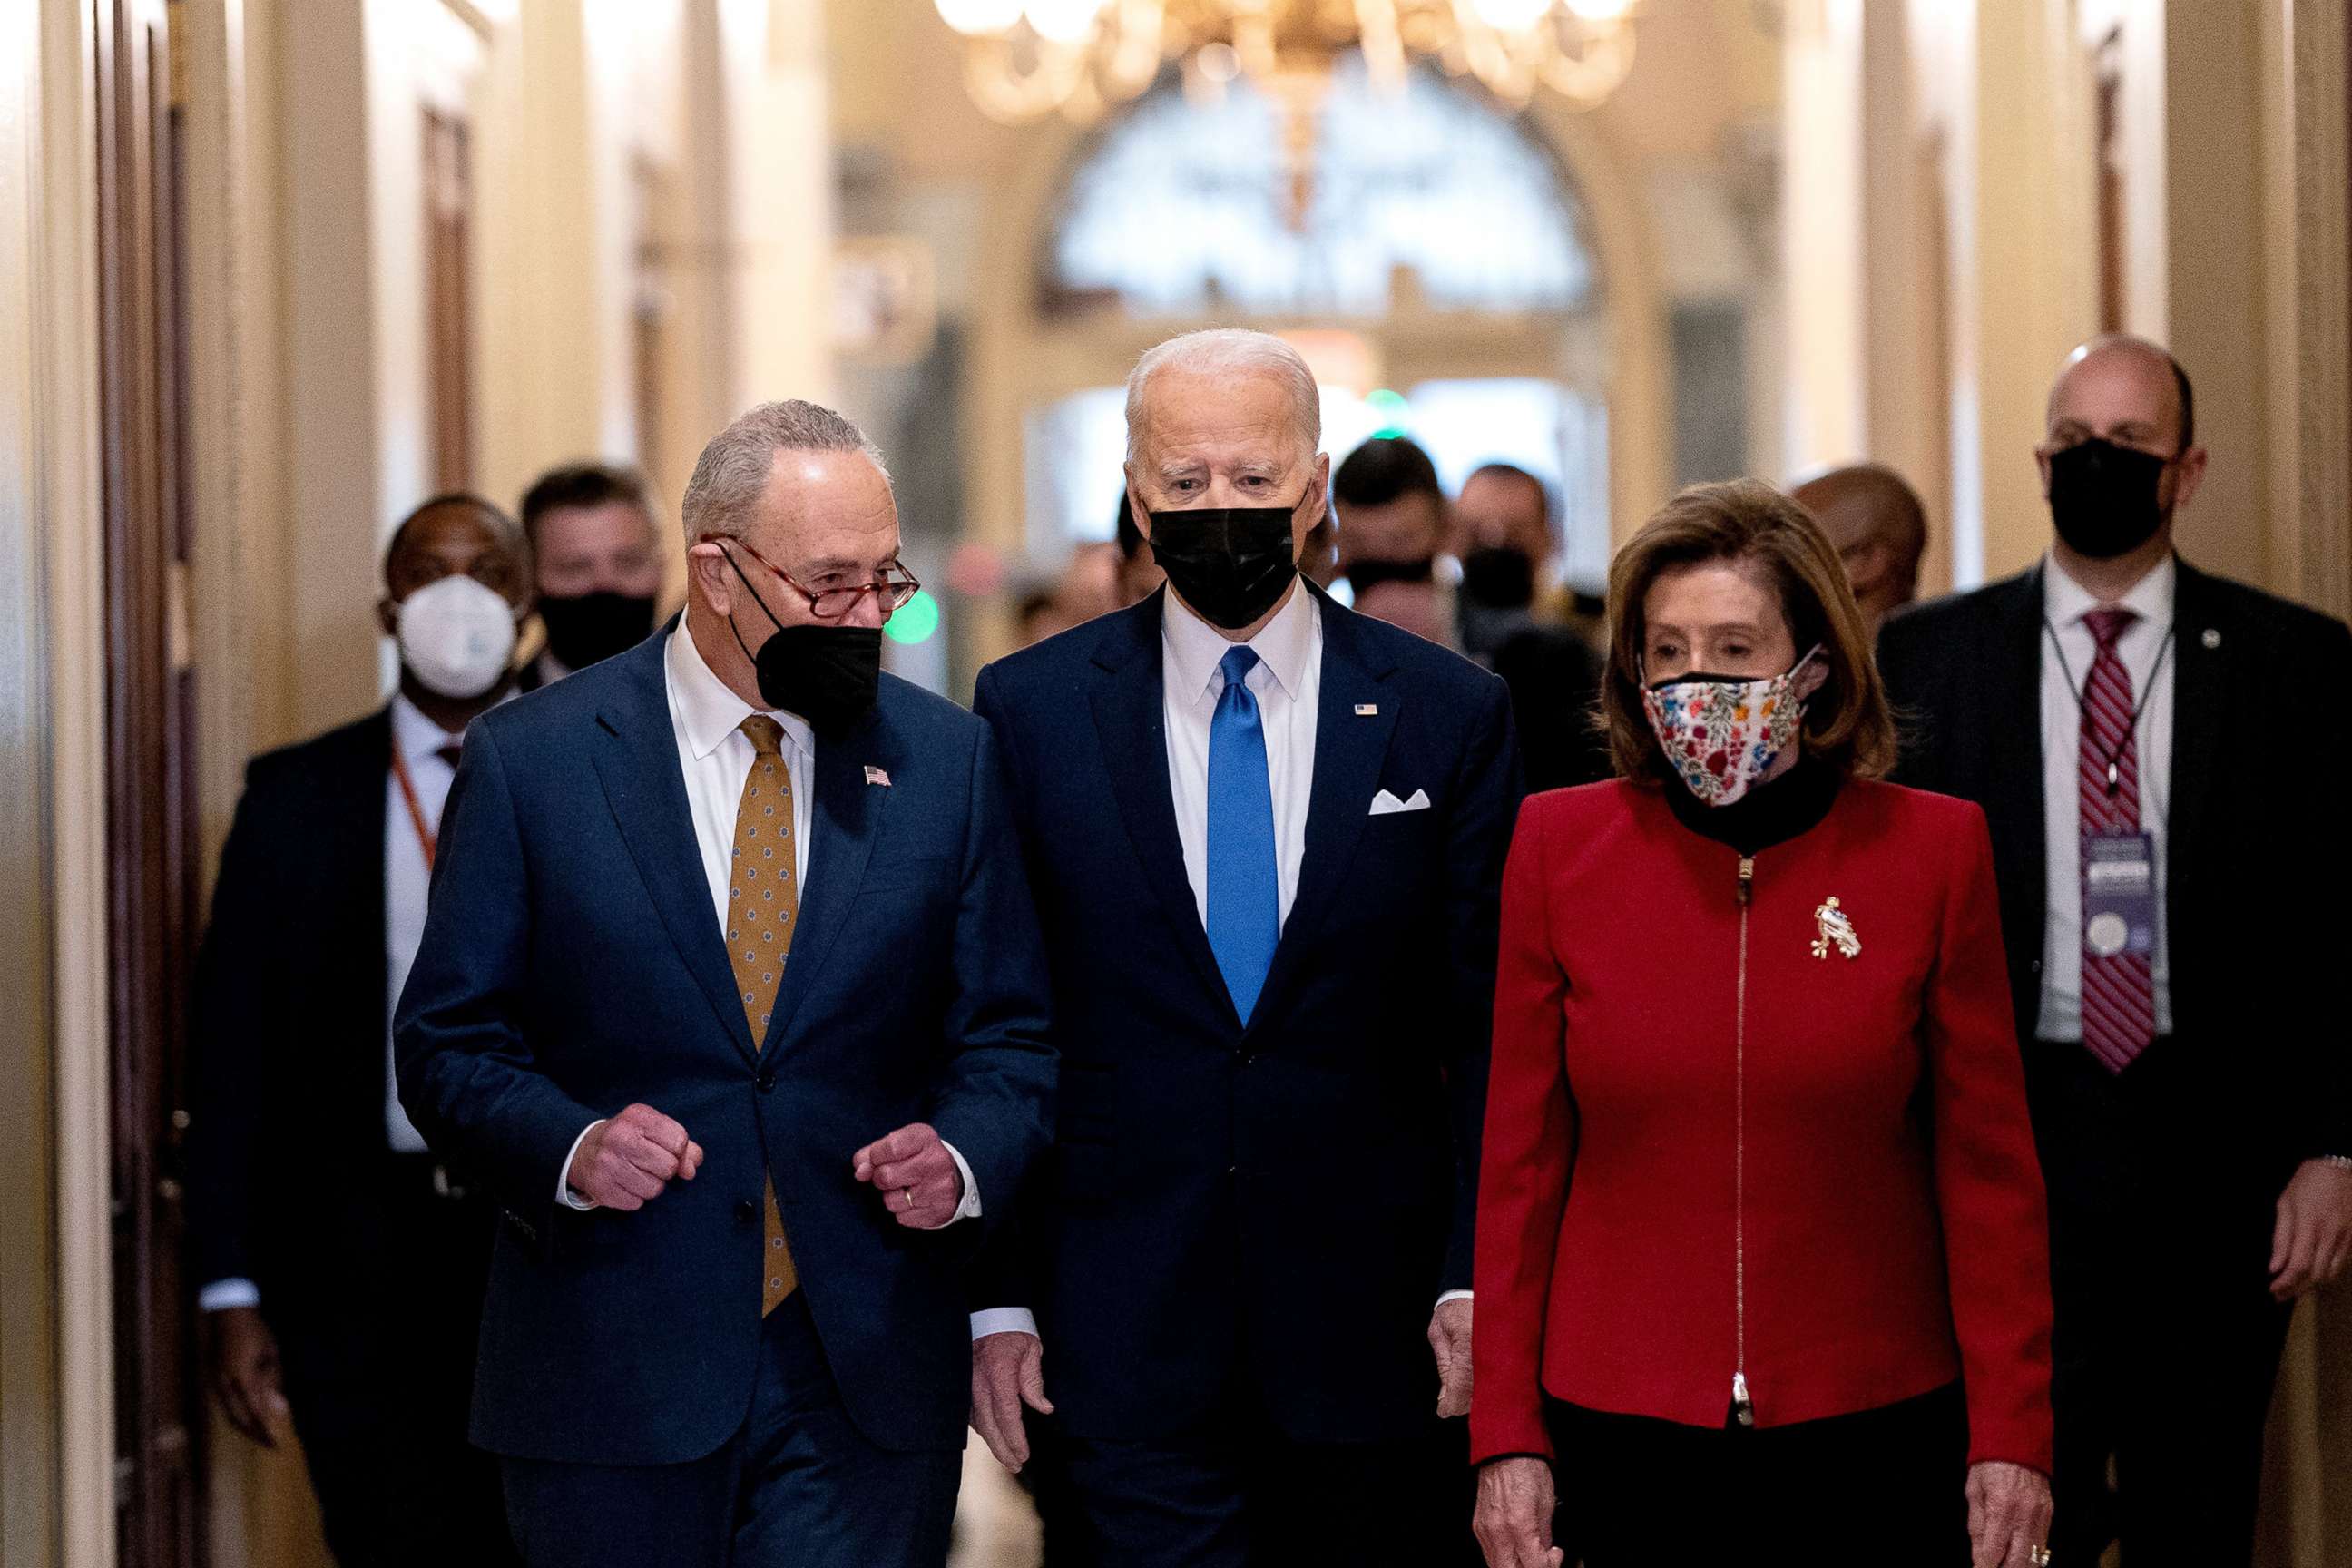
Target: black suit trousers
[799,1487]
[1237,1492]
[1880,1487]
[2167,1342]
[377,1347]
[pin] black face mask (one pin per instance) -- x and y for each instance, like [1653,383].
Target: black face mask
[590,627]
[1365,575]
[2103,498]
[1498,577]
[1230,563]
[827,675]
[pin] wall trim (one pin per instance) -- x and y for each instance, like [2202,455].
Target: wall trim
[70,483]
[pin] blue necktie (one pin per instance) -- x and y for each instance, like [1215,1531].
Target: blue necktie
[1245,898]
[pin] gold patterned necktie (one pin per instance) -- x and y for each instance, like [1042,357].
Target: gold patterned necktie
[763,904]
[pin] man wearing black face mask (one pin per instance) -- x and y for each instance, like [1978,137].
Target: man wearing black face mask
[732,990]
[1267,837]
[2143,740]
[1391,518]
[598,565]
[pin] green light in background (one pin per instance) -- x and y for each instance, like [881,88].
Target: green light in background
[1393,409]
[917,619]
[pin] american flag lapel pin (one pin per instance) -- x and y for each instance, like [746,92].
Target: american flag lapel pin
[1368,710]
[875,775]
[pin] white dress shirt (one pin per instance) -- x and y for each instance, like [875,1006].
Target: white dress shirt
[715,757]
[1288,681]
[2065,603]
[418,742]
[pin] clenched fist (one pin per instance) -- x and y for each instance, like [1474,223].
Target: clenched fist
[625,1162]
[916,1175]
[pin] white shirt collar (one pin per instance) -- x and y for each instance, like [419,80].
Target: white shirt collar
[1194,649]
[2066,601]
[708,710]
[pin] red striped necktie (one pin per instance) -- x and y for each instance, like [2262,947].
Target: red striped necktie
[2118,989]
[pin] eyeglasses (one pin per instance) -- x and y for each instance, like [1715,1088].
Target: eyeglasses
[894,586]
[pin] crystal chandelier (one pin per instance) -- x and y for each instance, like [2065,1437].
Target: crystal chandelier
[1026,58]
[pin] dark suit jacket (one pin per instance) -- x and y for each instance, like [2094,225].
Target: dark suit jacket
[287,1024]
[2256,871]
[1282,1203]
[572,965]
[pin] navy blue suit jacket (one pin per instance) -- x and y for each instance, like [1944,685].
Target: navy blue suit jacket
[1276,1207]
[572,965]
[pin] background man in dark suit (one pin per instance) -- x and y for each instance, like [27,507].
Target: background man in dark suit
[1880,528]
[1266,836]
[2195,1126]
[343,1265]
[732,993]
[596,558]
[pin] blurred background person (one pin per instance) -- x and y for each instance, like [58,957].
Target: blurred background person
[1880,528]
[597,559]
[1761,1231]
[1391,515]
[342,1264]
[2146,739]
[1502,536]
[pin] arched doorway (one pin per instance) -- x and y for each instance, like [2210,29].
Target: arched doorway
[1425,248]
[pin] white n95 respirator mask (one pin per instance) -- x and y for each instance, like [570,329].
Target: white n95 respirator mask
[455,635]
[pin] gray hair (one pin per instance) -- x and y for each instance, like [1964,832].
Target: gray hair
[732,473]
[1232,351]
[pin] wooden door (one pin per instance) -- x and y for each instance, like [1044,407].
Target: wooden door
[151,806]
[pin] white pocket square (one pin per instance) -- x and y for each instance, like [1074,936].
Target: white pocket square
[1384,802]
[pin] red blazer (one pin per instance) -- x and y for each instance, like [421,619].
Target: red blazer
[1876,1173]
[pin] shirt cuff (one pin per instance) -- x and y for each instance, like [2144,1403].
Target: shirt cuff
[564,1193]
[223,1294]
[970,1207]
[1454,1296]
[1004,1321]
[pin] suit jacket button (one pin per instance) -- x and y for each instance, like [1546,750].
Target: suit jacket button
[767,1080]
[747,1212]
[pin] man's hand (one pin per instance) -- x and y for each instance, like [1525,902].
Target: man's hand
[625,1162]
[1008,1370]
[244,1371]
[1449,1336]
[1514,1519]
[2313,1237]
[2009,1515]
[914,1174]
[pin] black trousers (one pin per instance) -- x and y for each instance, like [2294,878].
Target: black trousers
[377,1345]
[1238,1493]
[800,1487]
[1885,1486]
[2166,1342]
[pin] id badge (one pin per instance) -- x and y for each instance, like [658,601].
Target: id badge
[2119,895]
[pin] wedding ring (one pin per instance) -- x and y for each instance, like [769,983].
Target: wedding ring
[910,1198]
[2041,1556]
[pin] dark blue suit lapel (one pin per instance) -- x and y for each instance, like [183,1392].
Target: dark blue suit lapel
[842,821]
[1349,748]
[1130,718]
[637,764]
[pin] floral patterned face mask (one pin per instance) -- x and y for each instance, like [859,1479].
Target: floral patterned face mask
[1722,735]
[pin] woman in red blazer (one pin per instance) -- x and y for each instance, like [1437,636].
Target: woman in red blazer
[1762,1266]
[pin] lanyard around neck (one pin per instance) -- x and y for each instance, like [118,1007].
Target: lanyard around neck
[427,839]
[2081,693]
